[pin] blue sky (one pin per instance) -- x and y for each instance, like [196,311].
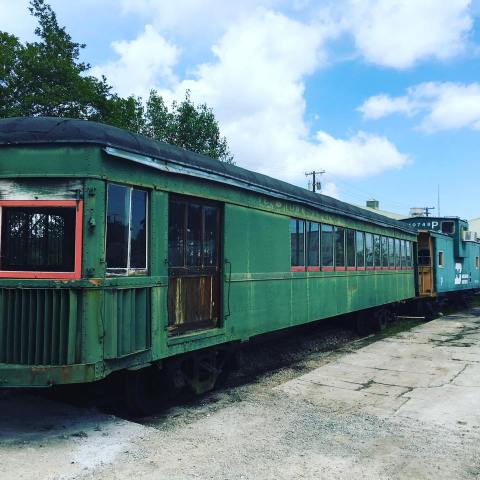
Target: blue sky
[382,94]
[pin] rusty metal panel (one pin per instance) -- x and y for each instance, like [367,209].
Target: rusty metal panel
[193,303]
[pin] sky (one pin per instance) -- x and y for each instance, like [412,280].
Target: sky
[384,95]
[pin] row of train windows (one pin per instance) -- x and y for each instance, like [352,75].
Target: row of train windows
[317,245]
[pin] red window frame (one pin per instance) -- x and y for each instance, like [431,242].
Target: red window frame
[77,273]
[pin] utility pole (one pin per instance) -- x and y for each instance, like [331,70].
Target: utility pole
[427,210]
[438,199]
[313,174]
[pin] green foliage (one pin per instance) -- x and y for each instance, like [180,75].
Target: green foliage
[47,78]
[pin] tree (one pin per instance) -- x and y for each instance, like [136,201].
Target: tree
[47,78]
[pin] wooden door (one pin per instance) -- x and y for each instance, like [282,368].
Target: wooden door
[194,264]
[425,264]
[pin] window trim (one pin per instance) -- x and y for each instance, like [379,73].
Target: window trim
[441,255]
[339,268]
[312,268]
[127,271]
[362,233]
[77,272]
[299,268]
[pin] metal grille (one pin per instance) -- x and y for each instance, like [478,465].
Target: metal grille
[38,326]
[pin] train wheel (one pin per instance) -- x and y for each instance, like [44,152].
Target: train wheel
[208,369]
[146,391]
[380,319]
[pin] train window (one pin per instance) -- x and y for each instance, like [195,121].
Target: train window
[339,247]
[448,227]
[384,244]
[327,246]
[313,251]
[391,253]
[138,230]
[297,239]
[397,253]
[126,244]
[403,253]
[210,253]
[38,239]
[408,253]
[376,251]
[176,234]
[350,247]
[441,259]
[369,257]
[192,235]
[360,249]
[477,262]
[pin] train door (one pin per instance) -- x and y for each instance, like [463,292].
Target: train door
[193,264]
[425,264]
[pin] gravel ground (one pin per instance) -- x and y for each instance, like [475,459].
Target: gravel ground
[273,420]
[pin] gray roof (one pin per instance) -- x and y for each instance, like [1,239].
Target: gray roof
[48,130]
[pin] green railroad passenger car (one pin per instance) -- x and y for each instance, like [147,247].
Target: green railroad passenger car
[118,253]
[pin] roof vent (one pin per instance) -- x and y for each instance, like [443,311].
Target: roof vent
[373,204]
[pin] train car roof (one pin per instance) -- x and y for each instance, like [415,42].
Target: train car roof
[160,155]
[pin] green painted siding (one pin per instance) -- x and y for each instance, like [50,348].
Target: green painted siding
[122,322]
[458,273]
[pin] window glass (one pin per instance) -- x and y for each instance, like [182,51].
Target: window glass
[313,244]
[327,246]
[448,227]
[297,235]
[210,240]
[391,253]
[376,251]
[360,249]
[118,206]
[138,253]
[339,247]
[38,239]
[194,235]
[176,233]
[384,248]
[350,243]
[403,253]
[126,245]
[440,259]
[397,253]
[408,250]
[369,250]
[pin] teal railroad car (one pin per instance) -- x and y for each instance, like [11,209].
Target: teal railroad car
[122,253]
[448,256]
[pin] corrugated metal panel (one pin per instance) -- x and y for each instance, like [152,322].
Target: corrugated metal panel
[127,321]
[39,326]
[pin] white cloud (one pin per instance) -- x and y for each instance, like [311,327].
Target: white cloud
[330,189]
[382,105]
[400,33]
[256,88]
[443,106]
[193,17]
[142,63]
